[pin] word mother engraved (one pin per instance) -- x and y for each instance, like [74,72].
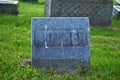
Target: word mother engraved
[57,38]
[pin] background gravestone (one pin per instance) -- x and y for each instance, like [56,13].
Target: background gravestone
[99,11]
[29,0]
[61,43]
[9,7]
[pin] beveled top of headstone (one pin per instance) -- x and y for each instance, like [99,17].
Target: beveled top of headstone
[8,2]
[61,23]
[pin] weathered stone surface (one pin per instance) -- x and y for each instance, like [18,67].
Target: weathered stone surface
[117,2]
[116,12]
[99,11]
[61,43]
[9,7]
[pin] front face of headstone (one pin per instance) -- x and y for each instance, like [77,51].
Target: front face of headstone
[30,0]
[99,11]
[9,7]
[61,43]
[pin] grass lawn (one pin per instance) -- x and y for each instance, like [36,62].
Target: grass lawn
[15,45]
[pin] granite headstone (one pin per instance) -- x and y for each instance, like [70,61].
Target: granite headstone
[60,43]
[9,7]
[99,11]
[29,0]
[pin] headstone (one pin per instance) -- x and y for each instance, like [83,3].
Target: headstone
[99,11]
[9,7]
[116,12]
[60,43]
[29,0]
[117,2]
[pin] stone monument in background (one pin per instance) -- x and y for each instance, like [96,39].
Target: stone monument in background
[99,11]
[60,43]
[9,7]
[29,0]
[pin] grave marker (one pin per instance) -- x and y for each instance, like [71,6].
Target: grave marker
[99,11]
[61,43]
[9,7]
[29,0]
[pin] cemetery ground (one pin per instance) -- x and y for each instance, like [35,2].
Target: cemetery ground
[15,45]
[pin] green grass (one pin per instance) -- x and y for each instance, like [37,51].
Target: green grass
[15,45]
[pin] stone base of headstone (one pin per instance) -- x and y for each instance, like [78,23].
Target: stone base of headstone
[117,2]
[9,7]
[62,64]
[60,43]
[29,0]
[116,12]
[99,11]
